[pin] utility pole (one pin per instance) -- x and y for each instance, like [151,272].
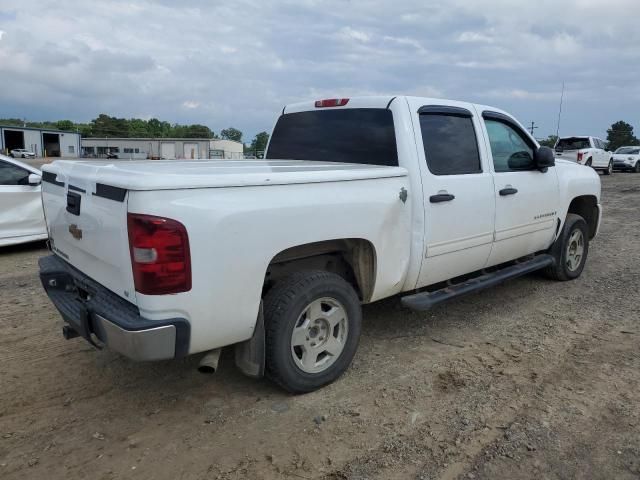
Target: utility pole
[560,110]
[532,127]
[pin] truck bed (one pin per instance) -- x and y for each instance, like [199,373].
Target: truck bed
[179,174]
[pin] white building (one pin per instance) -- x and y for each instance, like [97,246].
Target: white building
[141,148]
[42,142]
[226,149]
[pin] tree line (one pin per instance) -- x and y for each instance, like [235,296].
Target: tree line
[107,126]
[620,134]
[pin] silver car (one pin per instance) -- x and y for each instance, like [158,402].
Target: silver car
[22,153]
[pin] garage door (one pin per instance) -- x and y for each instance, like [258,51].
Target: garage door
[191,150]
[168,150]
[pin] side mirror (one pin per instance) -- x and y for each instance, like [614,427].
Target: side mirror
[544,158]
[34,179]
[520,161]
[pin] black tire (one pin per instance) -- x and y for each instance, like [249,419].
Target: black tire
[609,169]
[588,163]
[283,306]
[636,168]
[560,270]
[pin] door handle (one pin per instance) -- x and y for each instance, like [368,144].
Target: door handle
[441,197]
[508,191]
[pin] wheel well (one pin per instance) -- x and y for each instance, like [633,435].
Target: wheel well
[587,207]
[351,258]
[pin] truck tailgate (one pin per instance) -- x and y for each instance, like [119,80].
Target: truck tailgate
[87,223]
[571,155]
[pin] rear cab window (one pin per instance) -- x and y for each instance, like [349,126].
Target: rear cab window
[346,135]
[572,143]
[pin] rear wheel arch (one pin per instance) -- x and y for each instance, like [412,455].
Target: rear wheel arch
[354,259]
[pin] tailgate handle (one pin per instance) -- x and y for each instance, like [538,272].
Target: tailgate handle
[73,203]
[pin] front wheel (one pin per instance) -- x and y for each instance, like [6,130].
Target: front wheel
[312,326]
[636,169]
[609,169]
[570,249]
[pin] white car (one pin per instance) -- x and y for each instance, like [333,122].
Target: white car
[21,214]
[428,198]
[627,158]
[585,150]
[22,153]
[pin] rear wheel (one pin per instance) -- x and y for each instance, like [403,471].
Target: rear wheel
[636,169]
[312,326]
[570,249]
[588,163]
[609,169]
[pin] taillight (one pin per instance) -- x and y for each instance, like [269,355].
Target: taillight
[332,102]
[580,157]
[159,254]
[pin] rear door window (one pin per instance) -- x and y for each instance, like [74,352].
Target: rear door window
[351,135]
[450,144]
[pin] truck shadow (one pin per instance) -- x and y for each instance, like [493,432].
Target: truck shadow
[30,247]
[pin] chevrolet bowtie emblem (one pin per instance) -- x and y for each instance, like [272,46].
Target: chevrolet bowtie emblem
[75,231]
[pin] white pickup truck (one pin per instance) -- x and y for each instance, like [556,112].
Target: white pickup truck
[589,151]
[384,196]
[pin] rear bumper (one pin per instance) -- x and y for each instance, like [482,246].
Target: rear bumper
[102,317]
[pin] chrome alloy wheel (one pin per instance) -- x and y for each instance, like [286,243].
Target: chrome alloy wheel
[575,250]
[319,335]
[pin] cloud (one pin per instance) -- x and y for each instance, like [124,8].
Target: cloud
[519,94]
[237,64]
[349,33]
[474,37]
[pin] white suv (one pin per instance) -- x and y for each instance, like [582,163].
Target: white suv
[627,159]
[589,151]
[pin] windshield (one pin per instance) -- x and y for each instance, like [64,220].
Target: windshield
[629,150]
[572,143]
[351,135]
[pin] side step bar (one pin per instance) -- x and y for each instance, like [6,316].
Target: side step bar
[425,300]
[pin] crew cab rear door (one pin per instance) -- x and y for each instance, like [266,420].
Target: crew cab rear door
[526,198]
[458,189]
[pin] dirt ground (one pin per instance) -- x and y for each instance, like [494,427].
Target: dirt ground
[532,379]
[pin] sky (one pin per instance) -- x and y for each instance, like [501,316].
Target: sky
[237,63]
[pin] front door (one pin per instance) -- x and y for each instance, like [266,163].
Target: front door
[21,212]
[526,198]
[457,191]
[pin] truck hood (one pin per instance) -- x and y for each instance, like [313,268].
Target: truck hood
[179,174]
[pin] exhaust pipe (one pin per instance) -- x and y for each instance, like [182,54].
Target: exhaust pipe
[209,363]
